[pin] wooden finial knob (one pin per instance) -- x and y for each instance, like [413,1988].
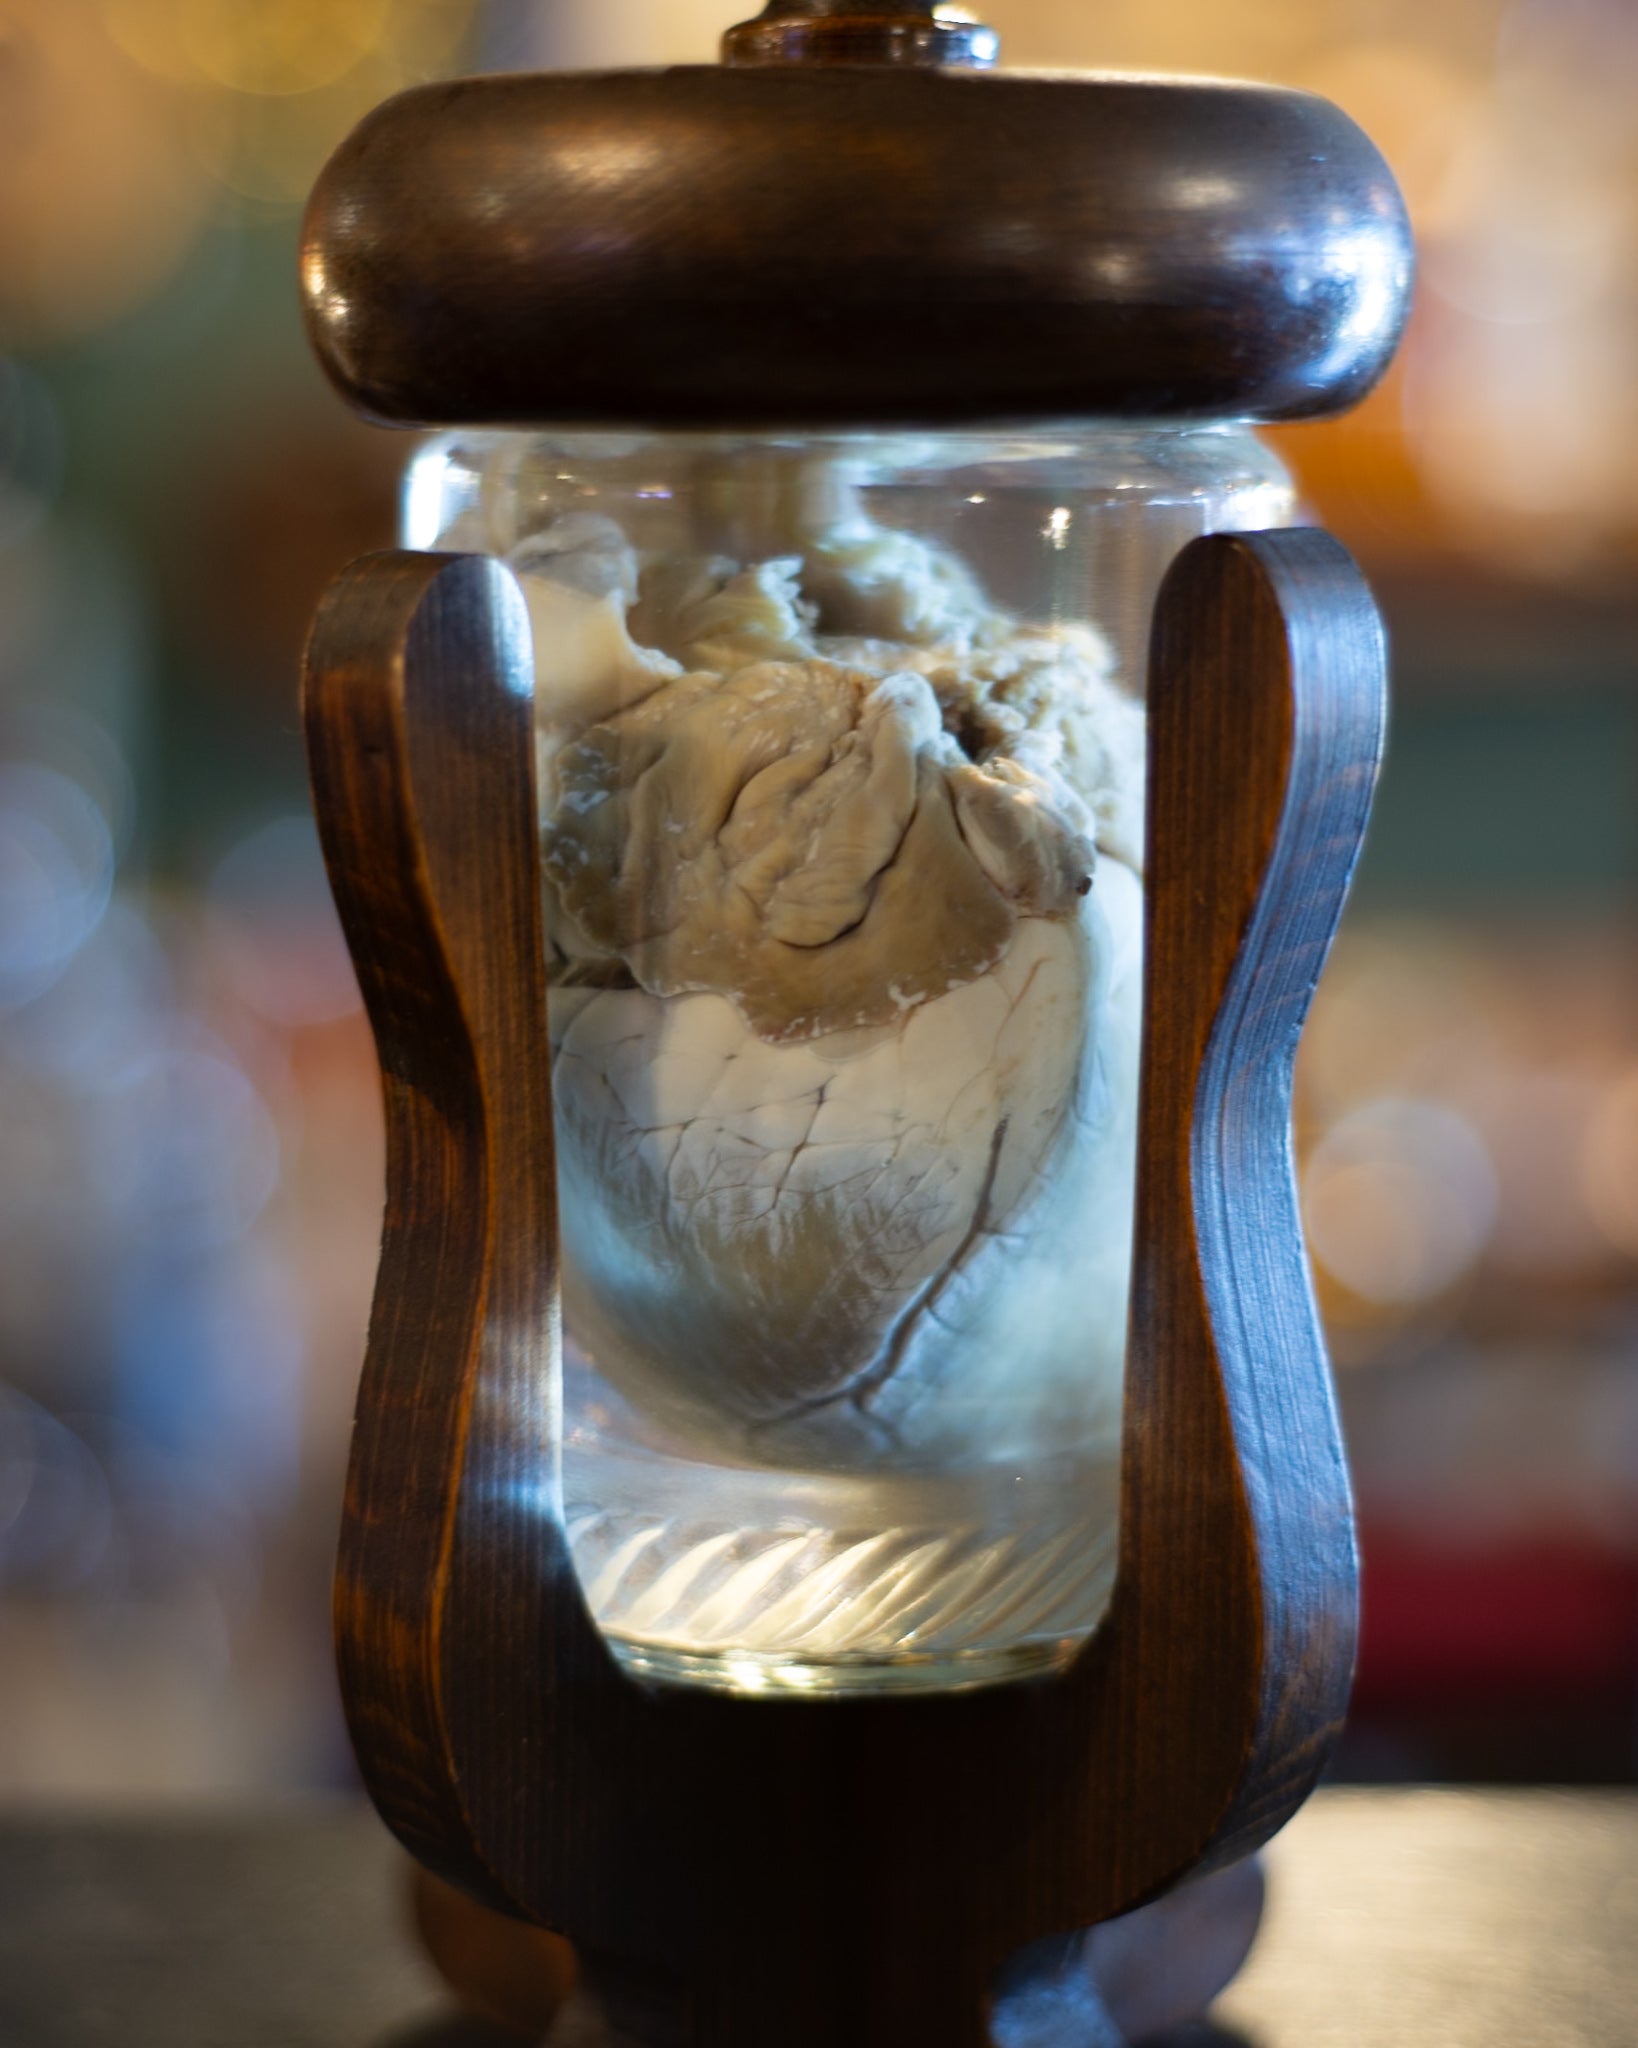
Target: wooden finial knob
[901,32]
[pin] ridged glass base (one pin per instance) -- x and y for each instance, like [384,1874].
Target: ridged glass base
[744,1672]
[754,1580]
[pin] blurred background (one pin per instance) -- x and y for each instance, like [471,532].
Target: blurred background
[190,1152]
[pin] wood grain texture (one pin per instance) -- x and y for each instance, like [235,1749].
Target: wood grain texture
[853,1870]
[1267,714]
[424,797]
[851,245]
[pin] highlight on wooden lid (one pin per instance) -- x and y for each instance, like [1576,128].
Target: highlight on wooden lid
[803,237]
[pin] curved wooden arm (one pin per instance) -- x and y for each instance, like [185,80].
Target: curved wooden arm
[855,1870]
[418,710]
[1267,709]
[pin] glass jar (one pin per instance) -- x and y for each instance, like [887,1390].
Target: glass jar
[841,758]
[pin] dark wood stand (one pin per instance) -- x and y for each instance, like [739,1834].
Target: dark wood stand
[800,1872]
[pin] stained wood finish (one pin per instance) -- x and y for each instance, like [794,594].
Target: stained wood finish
[852,245]
[418,713]
[799,1871]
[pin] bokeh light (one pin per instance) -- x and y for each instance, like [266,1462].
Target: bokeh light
[289,46]
[56,872]
[270,901]
[130,120]
[190,1178]
[1399,1201]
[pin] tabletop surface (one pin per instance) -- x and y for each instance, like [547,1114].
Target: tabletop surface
[1397,1918]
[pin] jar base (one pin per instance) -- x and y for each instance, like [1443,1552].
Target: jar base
[757,1581]
[748,1673]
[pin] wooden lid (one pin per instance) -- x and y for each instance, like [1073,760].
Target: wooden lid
[852,242]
